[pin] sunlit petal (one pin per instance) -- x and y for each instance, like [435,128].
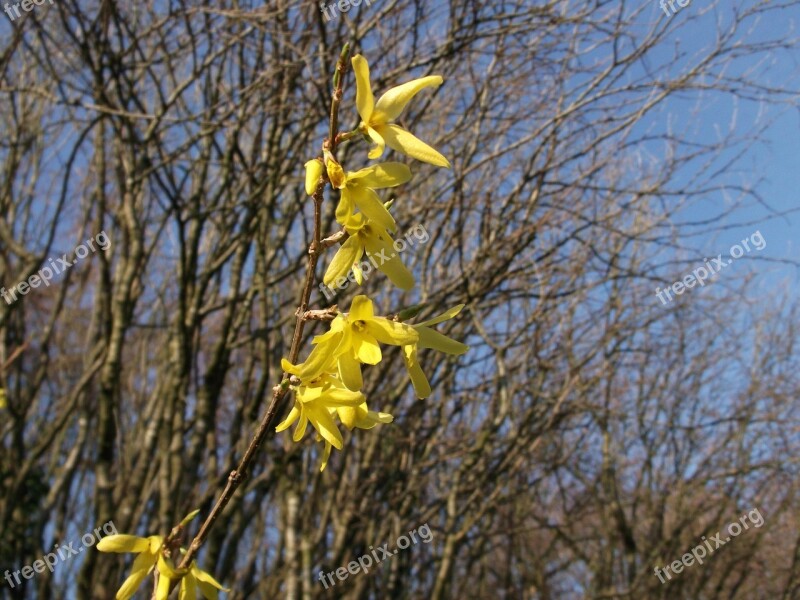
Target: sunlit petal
[394,101]
[401,140]
[365,101]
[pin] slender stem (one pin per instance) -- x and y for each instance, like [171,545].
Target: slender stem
[237,476]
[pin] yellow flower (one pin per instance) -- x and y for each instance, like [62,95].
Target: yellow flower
[357,190]
[314,171]
[430,338]
[361,417]
[322,400]
[3,402]
[352,340]
[197,579]
[371,238]
[149,551]
[312,403]
[377,118]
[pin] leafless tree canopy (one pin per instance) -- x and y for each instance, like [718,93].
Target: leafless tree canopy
[590,434]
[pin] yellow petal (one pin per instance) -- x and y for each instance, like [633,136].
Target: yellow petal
[342,397]
[401,140]
[336,174]
[361,309]
[326,454]
[421,385]
[141,569]
[380,176]
[365,101]
[188,589]
[368,203]
[300,430]
[162,591]
[346,206]
[394,101]
[445,316]
[380,417]
[383,255]
[321,359]
[367,349]
[290,418]
[350,371]
[314,170]
[323,422]
[167,569]
[428,338]
[347,415]
[390,332]
[123,543]
[289,367]
[346,256]
[208,585]
[380,144]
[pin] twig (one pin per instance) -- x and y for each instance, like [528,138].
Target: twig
[303,314]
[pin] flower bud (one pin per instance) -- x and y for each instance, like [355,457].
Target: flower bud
[313,173]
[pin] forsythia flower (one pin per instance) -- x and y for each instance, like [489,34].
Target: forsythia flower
[430,338]
[149,551]
[352,340]
[322,399]
[371,238]
[377,118]
[312,404]
[357,190]
[192,579]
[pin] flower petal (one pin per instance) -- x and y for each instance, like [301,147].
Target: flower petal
[394,101]
[207,584]
[380,144]
[428,338]
[323,422]
[123,543]
[367,349]
[300,430]
[445,316]
[421,385]
[368,203]
[390,332]
[188,589]
[162,591]
[141,569]
[290,418]
[365,101]
[385,258]
[326,454]
[380,176]
[350,371]
[346,256]
[361,309]
[346,206]
[401,140]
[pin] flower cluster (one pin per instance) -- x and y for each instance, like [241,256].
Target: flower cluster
[154,552]
[327,385]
